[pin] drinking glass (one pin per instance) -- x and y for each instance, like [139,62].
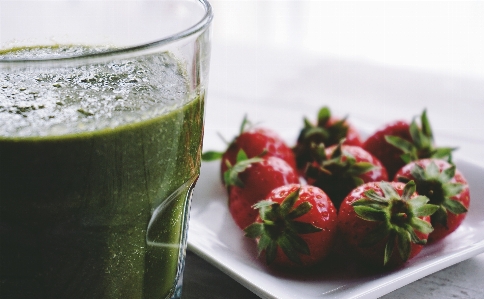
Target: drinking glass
[101,127]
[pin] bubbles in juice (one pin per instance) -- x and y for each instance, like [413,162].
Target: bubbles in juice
[61,100]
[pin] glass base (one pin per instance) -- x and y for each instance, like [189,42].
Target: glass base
[179,284]
[178,289]
[182,254]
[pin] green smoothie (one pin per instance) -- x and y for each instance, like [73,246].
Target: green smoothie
[97,166]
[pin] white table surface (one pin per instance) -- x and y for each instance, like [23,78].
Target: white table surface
[278,61]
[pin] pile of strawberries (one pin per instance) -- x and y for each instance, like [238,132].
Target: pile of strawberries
[381,199]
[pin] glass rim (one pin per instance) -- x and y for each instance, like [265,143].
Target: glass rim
[201,25]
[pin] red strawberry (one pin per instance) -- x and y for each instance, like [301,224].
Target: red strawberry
[387,153]
[296,227]
[376,217]
[445,186]
[327,131]
[253,141]
[250,180]
[339,169]
[399,142]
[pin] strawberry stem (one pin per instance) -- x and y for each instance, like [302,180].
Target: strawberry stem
[398,217]
[437,186]
[278,228]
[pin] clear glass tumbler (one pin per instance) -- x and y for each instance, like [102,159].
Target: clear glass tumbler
[101,127]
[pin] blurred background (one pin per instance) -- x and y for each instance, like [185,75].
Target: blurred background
[374,61]
[446,36]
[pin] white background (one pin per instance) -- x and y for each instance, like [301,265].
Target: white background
[445,36]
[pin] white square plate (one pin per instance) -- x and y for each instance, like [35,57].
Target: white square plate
[214,236]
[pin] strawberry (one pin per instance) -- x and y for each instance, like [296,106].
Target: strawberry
[400,142]
[250,180]
[253,141]
[389,155]
[377,217]
[327,131]
[445,186]
[296,227]
[341,168]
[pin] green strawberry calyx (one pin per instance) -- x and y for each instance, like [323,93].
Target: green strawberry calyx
[217,155]
[340,169]
[341,164]
[437,186]
[329,134]
[322,132]
[231,175]
[279,229]
[398,218]
[422,144]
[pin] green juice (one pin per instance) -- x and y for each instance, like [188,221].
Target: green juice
[97,166]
